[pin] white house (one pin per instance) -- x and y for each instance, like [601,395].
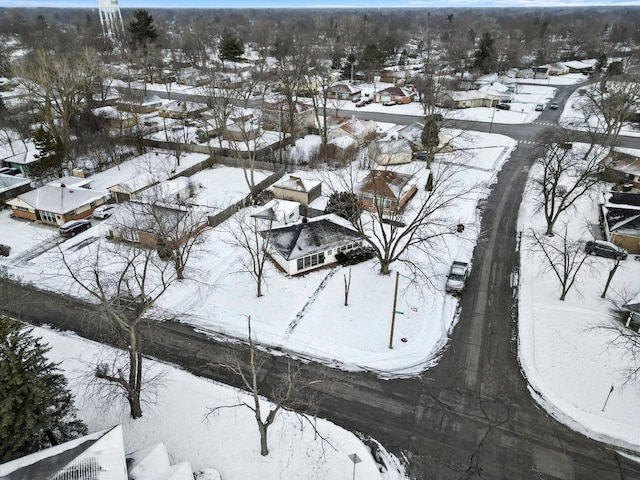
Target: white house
[311,243]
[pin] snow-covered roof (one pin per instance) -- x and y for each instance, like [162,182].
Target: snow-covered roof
[396,92]
[297,183]
[277,210]
[579,64]
[462,95]
[394,146]
[59,200]
[22,156]
[70,182]
[344,87]
[149,462]
[99,456]
[311,236]
[386,183]
[9,182]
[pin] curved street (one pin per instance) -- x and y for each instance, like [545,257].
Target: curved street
[471,416]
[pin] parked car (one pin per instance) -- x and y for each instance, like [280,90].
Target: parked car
[539,107]
[369,101]
[360,104]
[605,249]
[503,106]
[389,103]
[554,106]
[419,156]
[457,277]
[74,227]
[356,100]
[103,211]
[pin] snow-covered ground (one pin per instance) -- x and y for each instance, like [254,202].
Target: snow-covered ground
[567,358]
[573,116]
[226,441]
[305,315]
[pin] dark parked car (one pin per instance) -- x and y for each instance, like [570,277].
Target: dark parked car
[361,104]
[74,227]
[605,249]
[554,106]
[503,106]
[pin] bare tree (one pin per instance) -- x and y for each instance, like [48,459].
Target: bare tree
[568,171]
[238,127]
[167,222]
[294,392]
[611,103]
[612,273]
[395,233]
[57,84]
[563,257]
[126,280]
[246,233]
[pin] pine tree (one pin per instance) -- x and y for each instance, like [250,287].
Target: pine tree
[142,29]
[345,204]
[36,407]
[486,56]
[231,47]
[50,154]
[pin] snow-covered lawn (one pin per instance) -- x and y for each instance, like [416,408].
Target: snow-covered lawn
[567,359]
[227,441]
[573,116]
[305,315]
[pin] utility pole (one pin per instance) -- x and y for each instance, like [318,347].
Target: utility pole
[393,315]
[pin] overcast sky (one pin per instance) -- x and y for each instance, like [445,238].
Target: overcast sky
[316,3]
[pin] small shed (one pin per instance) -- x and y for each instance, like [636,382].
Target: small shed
[298,189]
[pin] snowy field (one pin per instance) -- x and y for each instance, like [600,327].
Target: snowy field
[226,443]
[305,315]
[567,358]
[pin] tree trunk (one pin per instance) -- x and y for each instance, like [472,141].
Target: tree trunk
[611,274]
[134,405]
[264,448]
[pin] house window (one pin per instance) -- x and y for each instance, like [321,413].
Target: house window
[300,263]
[314,260]
[48,217]
[328,253]
[307,262]
[130,235]
[92,204]
[321,258]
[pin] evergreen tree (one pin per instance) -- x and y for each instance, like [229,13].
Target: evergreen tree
[231,47]
[430,137]
[345,204]
[36,407]
[486,56]
[50,154]
[372,60]
[142,29]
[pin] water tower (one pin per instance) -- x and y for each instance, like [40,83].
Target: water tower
[110,19]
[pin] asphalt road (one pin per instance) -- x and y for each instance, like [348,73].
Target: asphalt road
[470,417]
